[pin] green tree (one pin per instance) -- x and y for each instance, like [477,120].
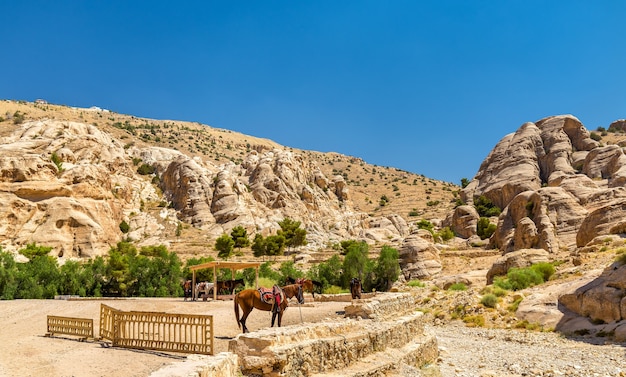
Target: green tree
[485,207]
[8,276]
[293,234]
[328,272]
[387,268]
[118,272]
[39,278]
[464,182]
[202,274]
[484,228]
[224,246]
[258,246]
[355,263]
[274,245]
[239,235]
[288,269]
[145,169]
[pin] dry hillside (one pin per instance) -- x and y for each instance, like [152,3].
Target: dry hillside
[375,190]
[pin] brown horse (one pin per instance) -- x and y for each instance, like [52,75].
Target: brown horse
[355,288]
[308,285]
[249,299]
[229,285]
[187,290]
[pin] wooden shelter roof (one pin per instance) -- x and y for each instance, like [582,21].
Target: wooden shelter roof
[222,264]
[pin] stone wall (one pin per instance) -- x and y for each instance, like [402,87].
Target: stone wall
[224,364]
[379,334]
[383,306]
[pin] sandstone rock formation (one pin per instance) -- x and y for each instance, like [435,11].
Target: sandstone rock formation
[602,299]
[462,221]
[558,188]
[419,259]
[69,185]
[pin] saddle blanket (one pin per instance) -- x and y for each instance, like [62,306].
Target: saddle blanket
[268,294]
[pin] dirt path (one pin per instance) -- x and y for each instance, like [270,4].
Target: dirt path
[25,351]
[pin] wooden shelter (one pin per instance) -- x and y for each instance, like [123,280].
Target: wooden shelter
[233,266]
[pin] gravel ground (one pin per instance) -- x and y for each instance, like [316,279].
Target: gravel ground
[479,352]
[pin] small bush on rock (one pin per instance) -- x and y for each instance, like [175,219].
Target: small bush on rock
[489,300]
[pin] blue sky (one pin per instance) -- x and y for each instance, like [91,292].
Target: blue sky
[425,86]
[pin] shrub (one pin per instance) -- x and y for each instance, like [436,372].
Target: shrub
[484,228]
[416,283]
[489,300]
[521,278]
[485,207]
[145,169]
[446,234]
[333,290]
[621,257]
[124,227]
[514,305]
[595,136]
[474,320]
[545,269]
[458,287]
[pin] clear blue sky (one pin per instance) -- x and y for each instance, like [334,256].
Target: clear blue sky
[425,86]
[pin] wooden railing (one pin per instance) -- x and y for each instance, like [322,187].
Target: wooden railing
[189,333]
[81,327]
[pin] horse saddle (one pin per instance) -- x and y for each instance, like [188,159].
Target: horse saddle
[268,295]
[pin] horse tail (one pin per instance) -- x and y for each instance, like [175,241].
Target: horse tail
[236,300]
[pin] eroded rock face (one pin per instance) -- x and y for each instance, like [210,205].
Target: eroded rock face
[557,187]
[76,201]
[462,221]
[419,259]
[602,299]
[71,204]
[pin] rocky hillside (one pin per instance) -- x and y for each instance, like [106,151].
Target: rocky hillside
[69,177]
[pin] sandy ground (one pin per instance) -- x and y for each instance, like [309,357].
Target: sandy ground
[26,351]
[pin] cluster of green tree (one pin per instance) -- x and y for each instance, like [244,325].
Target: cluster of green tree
[290,235]
[155,272]
[125,272]
[376,274]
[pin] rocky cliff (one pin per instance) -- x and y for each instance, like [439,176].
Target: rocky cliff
[557,187]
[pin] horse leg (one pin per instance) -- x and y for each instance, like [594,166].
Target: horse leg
[243,320]
[274,318]
[280,318]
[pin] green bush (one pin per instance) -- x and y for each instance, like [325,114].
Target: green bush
[145,169]
[458,287]
[446,234]
[489,300]
[124,227]
[416,283]
[485,207]
[520,278]
[484,228]
[545,269]
[333,290]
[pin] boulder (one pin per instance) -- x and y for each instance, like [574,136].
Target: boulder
[516,259]
[419,259]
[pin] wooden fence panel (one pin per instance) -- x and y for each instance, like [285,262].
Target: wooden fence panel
[81,327]
[188,333]
[106,321]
